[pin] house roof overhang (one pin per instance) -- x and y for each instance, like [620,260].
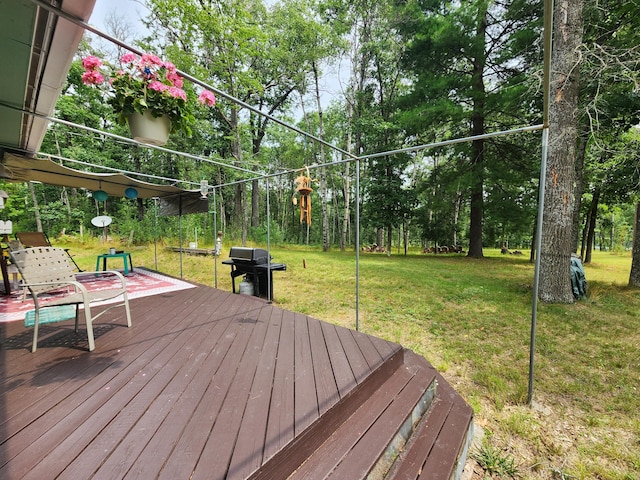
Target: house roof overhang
[36,49]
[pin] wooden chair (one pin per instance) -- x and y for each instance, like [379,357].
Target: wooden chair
[40,239]
[47,269]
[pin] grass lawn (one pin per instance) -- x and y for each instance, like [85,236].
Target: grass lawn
[471,319]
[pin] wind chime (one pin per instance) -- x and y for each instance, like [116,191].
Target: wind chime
[303,188]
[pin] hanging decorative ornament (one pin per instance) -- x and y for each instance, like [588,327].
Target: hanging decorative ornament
[100,195]
[131,193]
[303,187]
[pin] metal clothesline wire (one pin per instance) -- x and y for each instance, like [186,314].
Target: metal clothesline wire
[416,148]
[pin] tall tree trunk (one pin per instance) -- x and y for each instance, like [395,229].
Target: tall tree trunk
[634,276]
[405,236]
[555,256]
[585,232]
[579,188]
[255,203]
[532,255]
[36,207]
[347,183]
[379,237]
[222,213]
[591,232]
[477,146]
[140,209]
[457,206]
[323,171]
[346,215]
[240,214]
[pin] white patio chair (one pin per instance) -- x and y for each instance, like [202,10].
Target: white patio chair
[45,269]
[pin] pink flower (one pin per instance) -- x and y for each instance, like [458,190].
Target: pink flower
[92,77]
[207,98]
[150,59]
[175,79]
[158,86]
[171,68]
[177,93]
[91,62]
[129,58]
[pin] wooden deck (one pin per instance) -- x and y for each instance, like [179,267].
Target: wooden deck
[212,385]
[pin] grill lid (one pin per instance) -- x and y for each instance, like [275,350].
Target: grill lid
[256,256]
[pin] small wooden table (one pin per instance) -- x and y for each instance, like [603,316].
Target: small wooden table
[123,255]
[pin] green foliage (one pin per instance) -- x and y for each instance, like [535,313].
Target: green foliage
[259,234]
[15,207]
[468,63]
[494,461]
[57,218]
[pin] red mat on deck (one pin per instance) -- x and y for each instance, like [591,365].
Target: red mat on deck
[140,283]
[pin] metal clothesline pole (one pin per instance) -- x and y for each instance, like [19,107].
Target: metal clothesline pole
[357,201]
[216,251]
[536,274]
[548,49]
[269,287]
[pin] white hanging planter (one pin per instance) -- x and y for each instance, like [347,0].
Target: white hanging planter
[146,128]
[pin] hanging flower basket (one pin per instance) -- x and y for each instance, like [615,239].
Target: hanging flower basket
[148,87]
[146,128]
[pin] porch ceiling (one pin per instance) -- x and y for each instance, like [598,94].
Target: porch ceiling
[36,50]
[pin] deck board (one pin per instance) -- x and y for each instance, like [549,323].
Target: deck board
[305,398]
[216,455]
[205,384]
[344,375]
[355,358]
[325,380]
[280,429]
[248,454]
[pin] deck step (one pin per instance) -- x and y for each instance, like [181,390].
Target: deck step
[358,445]
[412,423]
[288,459]
[439,446]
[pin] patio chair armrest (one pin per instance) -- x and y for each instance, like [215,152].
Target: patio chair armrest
[55,285]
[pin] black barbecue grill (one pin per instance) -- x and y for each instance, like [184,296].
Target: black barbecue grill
[256,265]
